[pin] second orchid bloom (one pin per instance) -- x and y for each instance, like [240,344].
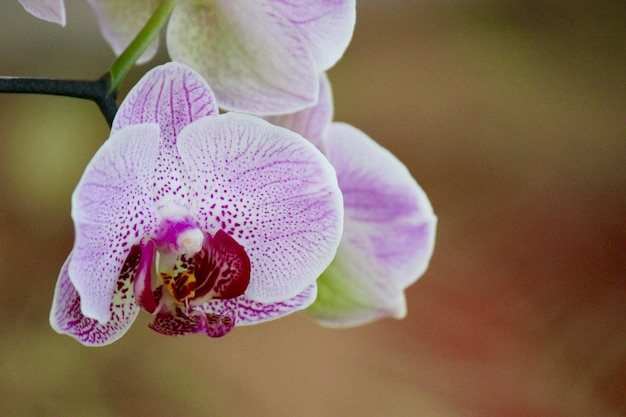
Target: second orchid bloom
[260,57]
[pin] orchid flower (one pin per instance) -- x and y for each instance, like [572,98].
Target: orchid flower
[389,225]
[50,10]
[260,57]
[205,221]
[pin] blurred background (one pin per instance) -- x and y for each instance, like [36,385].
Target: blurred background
[510,114]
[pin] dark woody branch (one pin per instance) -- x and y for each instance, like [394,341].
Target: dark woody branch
[96,91]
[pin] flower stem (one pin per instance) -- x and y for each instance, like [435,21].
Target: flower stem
[95,91]
[137,47]
[102,91]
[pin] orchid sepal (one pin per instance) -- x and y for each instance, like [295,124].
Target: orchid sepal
[49,10]
[389,225]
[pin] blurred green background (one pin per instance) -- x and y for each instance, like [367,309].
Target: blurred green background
[510,114]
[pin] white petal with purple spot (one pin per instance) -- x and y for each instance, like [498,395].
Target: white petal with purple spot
[252,312]
[112,211]
[66,316]
[272,191]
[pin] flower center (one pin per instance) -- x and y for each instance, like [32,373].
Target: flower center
[190,241]
[219,269]
[192,268]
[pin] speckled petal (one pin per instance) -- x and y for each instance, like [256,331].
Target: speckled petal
[179,323]
[172,95]
[252,312]
[313,121]
[384,200]
[49,10]
[272,191]
[66,316]
[327,25]
[112,211]
[255,60]
[121,20]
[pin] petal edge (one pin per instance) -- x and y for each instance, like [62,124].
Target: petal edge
[49,10]
[112,211]
[273,191]
[66,316]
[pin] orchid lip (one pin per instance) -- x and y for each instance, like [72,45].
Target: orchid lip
[192,268]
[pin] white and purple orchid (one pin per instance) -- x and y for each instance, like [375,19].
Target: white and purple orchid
[206,221]
[49,10]
[389,224]
[260,57]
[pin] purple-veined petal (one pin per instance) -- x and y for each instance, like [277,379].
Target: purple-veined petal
[66,316]
[389,233]
[49,10]
[383,200]
[272,191]
[112,211]
[172,95]
[327,25]
[121,20]
[311,122]
[255,60]
[253,312]
[355,289]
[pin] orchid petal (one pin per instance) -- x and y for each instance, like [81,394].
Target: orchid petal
[327,25]
[66,316]
[311,122]
[252,312]
[384,200]
[272,191]
[121,20]
[49,10]
[172,95]
[255,60]
[112,211]
[355,289]
[388,236]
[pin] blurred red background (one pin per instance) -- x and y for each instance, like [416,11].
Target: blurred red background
[510,114]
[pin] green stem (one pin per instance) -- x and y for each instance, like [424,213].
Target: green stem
[125,62]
